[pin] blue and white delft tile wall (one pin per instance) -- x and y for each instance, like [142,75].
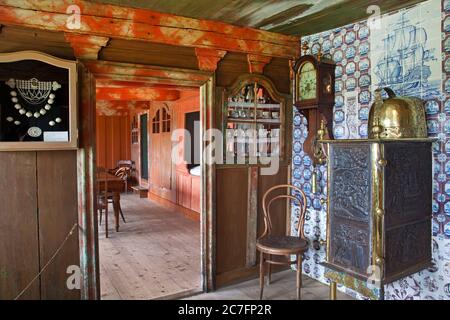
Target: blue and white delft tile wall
[409,51]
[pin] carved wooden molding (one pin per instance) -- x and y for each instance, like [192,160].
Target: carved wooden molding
[86,47]
[256,63]
[209,58]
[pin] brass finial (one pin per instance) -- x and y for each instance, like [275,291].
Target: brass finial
[305,48]
[319,53]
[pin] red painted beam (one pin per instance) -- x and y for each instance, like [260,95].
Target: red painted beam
[139,24]
[110,83]
[137,94]
[134,72]
[119,108]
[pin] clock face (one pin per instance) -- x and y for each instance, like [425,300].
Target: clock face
[307,82]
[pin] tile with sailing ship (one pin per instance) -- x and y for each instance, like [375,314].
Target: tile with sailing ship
[403,57]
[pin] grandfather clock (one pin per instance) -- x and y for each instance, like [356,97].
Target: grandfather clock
[314,94]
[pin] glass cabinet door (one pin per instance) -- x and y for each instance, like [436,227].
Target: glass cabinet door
[253,123]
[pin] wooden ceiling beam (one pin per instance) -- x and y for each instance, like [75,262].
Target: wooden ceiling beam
[156,75]
[119,108]
[141,24]
[137,94]
[111,83]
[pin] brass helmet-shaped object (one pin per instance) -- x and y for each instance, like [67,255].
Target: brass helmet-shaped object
[396,117]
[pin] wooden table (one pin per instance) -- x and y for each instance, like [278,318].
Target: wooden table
[115,186]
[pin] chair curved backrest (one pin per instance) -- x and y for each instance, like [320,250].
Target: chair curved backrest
[298,195]
[123,173]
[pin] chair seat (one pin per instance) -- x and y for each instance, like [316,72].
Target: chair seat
[281,244]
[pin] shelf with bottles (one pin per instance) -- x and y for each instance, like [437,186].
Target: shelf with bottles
[253,118]
[253,103]
[252,140]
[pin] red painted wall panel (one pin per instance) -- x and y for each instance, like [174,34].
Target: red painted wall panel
[113,140]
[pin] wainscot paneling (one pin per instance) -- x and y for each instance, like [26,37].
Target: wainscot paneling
[19,245]
[58,212]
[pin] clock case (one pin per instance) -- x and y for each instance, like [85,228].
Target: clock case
[321,107]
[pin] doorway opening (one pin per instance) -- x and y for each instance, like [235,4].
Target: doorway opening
[153,248]
[143,144]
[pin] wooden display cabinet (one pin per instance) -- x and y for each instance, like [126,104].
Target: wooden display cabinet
[253,108]
[38,102]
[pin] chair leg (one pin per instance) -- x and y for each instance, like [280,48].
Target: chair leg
[101,213]
[121,214]
[269,271]
[299,275]
[261,275]
[106,220]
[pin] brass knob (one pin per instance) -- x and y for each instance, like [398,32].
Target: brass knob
[379,212]
[323,201]
[378,261]
[382,162]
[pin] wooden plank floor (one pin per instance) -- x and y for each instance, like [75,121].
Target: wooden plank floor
[155,254]
[282,288]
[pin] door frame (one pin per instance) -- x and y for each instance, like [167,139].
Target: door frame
[89,71]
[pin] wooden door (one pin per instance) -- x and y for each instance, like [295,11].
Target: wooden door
[161,173]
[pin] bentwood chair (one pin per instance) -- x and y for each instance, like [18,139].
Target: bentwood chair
[124,170]
[274,245]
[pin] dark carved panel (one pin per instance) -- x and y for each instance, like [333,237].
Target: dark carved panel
[407,246]
[350,187]
[350,206]
[408,177]
[350,246]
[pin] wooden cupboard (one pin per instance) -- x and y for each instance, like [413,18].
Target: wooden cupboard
[240,186]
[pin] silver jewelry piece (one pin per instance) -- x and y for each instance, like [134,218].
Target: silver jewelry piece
[34,132]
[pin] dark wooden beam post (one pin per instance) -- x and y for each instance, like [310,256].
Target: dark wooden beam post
[208,186]
[89,265]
